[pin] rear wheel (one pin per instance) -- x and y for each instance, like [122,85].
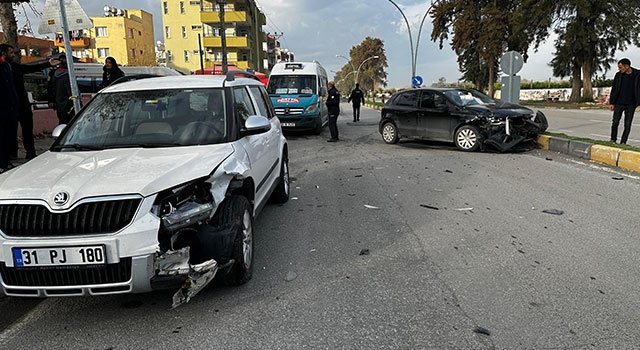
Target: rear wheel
[467,138]
[389,133]
[236,213]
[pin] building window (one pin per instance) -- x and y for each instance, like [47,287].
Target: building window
[217,55]
[132,53]
[196,52]
[165,7]
[196,27]
[182,7]
[102,32]
[130,33]
[169,56]
[194,3]
[184,32]
[186,55]
[103,52]
[167,32]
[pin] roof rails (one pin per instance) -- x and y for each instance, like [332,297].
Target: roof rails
[231,75]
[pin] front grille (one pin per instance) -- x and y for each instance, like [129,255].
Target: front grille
[70,276]
[288,110]
[34,220]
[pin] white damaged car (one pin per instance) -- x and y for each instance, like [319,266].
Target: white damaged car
[153,185]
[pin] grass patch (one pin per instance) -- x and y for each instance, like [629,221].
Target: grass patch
[597,142]
[565,105]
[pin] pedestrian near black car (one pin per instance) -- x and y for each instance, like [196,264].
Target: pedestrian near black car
[356,98]
[111,72]
[333,107]
[9,104]
[624,97]
[60,94]
[25,113]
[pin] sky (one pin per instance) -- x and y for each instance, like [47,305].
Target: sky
[321,29]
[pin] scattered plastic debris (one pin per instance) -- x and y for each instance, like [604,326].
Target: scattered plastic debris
[294,198]
[553,211]
[448,171]
[364,252]
[370,206]
[547,158]
[464,209]
[481,330]
[429,207]
[290,276]
[618,178]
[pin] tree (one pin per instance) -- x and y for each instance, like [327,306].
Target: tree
[589,34]
[484,30]
[371,73]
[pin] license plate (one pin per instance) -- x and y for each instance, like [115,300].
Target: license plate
[59,256]
[288,124]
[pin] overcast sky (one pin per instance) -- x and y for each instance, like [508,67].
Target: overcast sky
[321,29]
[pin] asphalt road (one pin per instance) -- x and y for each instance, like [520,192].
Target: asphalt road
[408,246]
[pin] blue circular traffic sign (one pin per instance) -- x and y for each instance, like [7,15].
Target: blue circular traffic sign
[417,80]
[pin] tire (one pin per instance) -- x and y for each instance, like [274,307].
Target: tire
[390,133]
[541,120]
[467,138]
[281,193]
[235,212]
[318,129]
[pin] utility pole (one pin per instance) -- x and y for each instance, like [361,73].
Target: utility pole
[223,37]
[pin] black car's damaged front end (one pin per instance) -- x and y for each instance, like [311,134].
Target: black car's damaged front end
[509,127]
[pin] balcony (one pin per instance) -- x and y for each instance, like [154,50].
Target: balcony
[238,42]
[79,43]
[229,17]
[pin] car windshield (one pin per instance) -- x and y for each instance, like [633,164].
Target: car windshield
[292,85]
[154,118]
[468,97]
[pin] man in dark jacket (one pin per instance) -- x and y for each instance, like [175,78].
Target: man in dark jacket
[25,114]
[8,109]
[61,93]
[333,106]
[357,97]
[624,97]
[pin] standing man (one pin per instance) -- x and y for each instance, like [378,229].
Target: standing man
[9,104]
[25,114]
[333,106]
[624,97]
[357,97]
[60,97]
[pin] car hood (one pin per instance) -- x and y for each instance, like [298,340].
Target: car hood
[141,171]
[501,109]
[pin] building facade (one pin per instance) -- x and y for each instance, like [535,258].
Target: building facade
[126,35]
[193,34]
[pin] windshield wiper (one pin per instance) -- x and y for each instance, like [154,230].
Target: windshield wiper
[78,147]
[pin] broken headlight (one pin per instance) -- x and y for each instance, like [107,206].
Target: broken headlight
[184,205]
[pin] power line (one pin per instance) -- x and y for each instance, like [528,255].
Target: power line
[284,39]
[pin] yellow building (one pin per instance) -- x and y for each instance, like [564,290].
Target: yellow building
[126,35]
[184,20]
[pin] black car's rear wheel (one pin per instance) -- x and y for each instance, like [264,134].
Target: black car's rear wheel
[467,138]
[389,133]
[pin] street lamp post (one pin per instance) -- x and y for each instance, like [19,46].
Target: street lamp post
[414,54]
[360,66]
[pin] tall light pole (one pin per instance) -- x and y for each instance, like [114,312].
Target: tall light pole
[414,54]
[348,60]
[360,66]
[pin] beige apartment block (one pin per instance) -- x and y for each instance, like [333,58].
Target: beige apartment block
[194,25]
[126,35]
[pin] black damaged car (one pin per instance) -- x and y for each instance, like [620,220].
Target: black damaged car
[469,118]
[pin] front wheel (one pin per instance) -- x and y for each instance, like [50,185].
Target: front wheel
[390,133]
[467,138]
[281,193]
[235,213]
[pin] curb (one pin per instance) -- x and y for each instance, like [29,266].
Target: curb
[628,160]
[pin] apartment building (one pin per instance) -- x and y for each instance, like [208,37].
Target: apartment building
[126,35]
[194,25]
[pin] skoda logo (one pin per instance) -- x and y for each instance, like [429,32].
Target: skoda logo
[61,198]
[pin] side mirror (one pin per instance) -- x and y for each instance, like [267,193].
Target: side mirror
[58,130]
[256,124]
